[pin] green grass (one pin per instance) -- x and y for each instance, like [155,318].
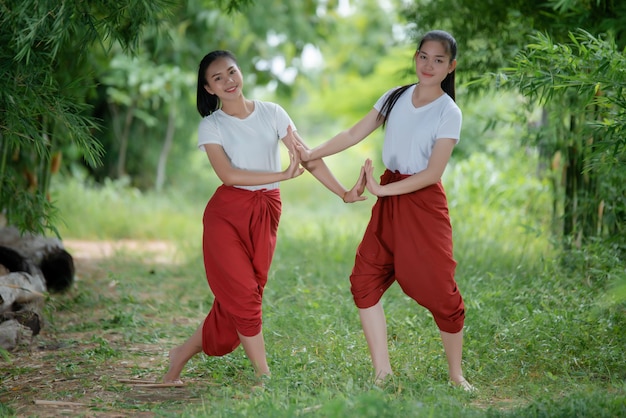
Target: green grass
[542,337]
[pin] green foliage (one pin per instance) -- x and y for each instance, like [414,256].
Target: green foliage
[581,85]
[583,404]
[358,92]
[5,355]
[268,39]
[357,65]
[6,411]
[118,211]
[490,34]
[605,17]
[45,78]
[233,5]
[567,54]
[543,338]
[26,204]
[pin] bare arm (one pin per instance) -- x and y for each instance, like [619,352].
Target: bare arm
[430,175]
[343,140]
[322,173]
[231,176]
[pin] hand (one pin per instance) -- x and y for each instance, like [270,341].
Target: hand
[356,192]
[294,169]
[303,151]
[372,185]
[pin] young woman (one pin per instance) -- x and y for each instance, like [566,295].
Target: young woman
[409,237]
[241,138]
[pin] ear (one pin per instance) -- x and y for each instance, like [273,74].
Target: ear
[209,89]
[452,66]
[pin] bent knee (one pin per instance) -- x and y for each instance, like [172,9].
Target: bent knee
[450,321]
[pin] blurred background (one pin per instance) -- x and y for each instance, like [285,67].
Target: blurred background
[98,120]
[98,132]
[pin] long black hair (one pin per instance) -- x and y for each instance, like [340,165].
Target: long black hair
[447,84]
[206,102]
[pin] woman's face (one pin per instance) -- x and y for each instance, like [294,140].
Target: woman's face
[224,78]
[432,63]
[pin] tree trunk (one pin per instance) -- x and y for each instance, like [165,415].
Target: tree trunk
[571,178]
[121,134]
[167,145]
[121,158]
[582,201]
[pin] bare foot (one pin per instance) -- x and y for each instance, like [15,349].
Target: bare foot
[463,384]
[382,376]
[177,362]
[260,383]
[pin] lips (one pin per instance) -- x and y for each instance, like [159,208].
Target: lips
[231,89]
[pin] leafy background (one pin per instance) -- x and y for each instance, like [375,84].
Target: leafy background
[97,144]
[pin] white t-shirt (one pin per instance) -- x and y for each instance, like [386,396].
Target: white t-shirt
[251,143]
[411,133]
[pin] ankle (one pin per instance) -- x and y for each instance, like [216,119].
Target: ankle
[464,384]
[382,374]
[457,379]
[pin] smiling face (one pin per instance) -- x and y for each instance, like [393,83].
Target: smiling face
[224,78]
[433,63]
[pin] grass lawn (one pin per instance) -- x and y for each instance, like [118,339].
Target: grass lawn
[543,338]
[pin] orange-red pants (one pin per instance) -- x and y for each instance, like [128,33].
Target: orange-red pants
[238,243]
[409,240]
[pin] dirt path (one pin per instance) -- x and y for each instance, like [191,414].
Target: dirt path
[155,251]
[47,379]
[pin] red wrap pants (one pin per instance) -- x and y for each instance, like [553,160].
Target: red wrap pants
[409,240]
[238,243]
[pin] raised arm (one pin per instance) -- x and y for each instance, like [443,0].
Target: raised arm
[231,176]
[322,173]
[343,140]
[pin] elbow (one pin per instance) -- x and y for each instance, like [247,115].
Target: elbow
[433,177]
[227,180]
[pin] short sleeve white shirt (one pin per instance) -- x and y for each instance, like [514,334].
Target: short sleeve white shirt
[251,143]
[411,133]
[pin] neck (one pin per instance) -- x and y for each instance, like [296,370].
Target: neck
[423,92]
[239,108]
[423,95]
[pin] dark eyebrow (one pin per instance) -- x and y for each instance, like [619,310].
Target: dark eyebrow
[439,56]
[227,70]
